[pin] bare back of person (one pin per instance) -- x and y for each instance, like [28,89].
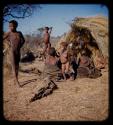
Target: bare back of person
[50,60]
[84,61]
[51,66]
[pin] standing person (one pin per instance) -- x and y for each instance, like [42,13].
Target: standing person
[47,32]
[16,40]
[64,59]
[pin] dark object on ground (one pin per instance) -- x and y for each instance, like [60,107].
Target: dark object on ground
[59,77]
[73,76]
[95,73]
[83,72]
[28,57]
[33,70]
[44,91]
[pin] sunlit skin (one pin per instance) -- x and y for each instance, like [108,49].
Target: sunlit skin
[64,60]
[47,40]
[16,41]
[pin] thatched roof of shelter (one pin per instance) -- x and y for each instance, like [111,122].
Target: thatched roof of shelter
[93,31]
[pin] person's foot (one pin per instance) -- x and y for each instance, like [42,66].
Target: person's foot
[65,78]
[72,78]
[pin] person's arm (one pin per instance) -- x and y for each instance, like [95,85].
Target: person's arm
[6,41]
[22,39]
[50,30]
[5,35]
[6,38]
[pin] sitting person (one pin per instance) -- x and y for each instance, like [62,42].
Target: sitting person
[86,67]
[51,69]
[99,61]
[84,60]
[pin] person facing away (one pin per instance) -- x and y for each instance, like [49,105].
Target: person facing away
[52,64]
[51,58]
[16,40]
[47,32]
[64,59]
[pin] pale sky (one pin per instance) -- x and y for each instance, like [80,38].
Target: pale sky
[58,16]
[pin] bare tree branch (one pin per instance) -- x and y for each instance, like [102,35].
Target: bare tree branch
[19,10]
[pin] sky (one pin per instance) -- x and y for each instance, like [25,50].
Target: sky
[57,16]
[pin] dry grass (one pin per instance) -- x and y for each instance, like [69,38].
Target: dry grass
[98,27]
[82,99]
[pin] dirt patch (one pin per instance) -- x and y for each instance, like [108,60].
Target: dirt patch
[79,100]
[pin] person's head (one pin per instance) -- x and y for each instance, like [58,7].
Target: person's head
[46,29]
[13,25]
[52,52]
[63,45]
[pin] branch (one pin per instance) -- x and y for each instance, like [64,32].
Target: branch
[19,10]
[17,16]
[5,20]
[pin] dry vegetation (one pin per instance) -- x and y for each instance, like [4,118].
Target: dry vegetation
[84,99]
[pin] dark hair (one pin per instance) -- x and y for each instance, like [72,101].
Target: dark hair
[52,52]
[64,44]
[47,28]
[14,22]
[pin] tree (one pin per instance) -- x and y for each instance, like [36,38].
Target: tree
[19,11]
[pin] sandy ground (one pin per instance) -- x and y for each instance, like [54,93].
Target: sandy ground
[79,100]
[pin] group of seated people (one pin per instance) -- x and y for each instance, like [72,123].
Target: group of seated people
[69,68]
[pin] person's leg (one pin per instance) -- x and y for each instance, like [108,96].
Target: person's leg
[63,71]
[13,65]
[67,67]
[15,68]
[48,47]
[45,49]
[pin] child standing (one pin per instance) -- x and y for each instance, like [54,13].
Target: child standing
[64,59]
[15,40]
